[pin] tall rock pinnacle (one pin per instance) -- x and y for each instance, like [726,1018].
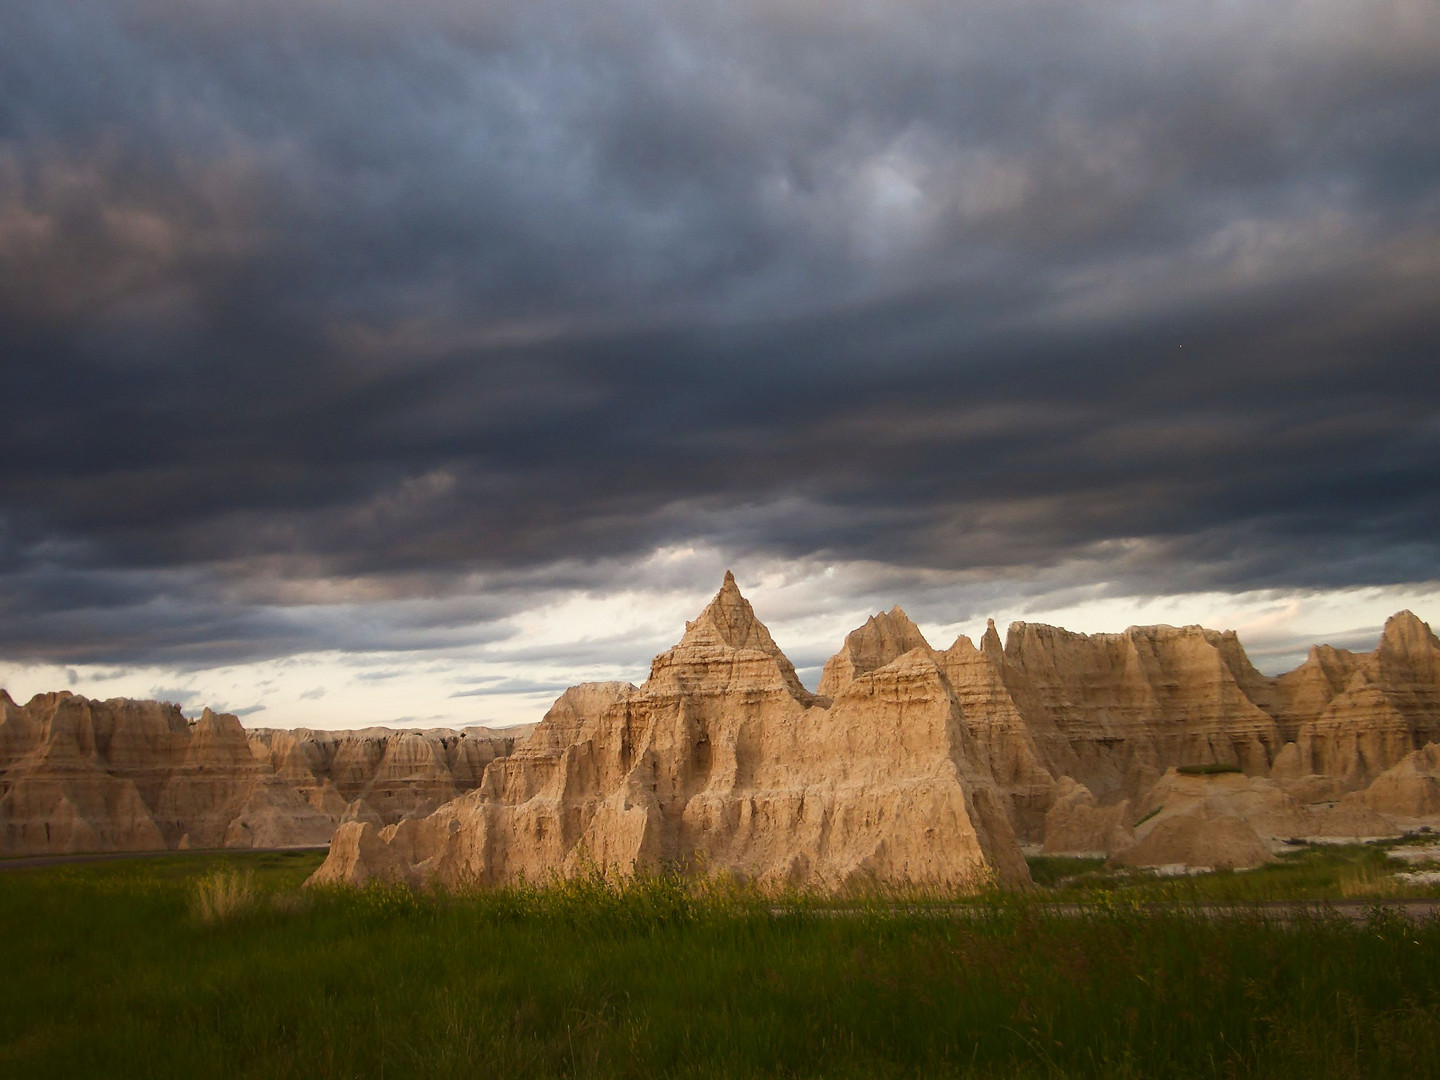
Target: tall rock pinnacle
[725,628]
[732,617]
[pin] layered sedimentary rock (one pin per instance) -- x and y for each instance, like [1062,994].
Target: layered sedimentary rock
[1119,709]
[1348,750]
[927,766]
[912,763]
[723,762]
[392,774]
[80,775]
[1409,791]
[883,639]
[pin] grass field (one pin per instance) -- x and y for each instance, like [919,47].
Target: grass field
[1310,872]
[220,966]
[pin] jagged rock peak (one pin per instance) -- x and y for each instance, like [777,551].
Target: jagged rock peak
[893,631]
[733,619]
[1406,633]
[726,627]
[883,639]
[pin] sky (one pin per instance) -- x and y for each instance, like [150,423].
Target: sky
[367,362]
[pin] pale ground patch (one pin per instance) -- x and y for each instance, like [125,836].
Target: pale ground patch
[1419,877]
[1417,854]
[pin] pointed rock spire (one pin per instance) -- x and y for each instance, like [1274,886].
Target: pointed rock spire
[732,617]
[728,623]
[990,643]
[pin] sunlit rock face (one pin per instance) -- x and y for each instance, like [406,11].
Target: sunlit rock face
[925,766]
[912,764]
[884,638]
[1343,746]
[722,762]
[78,776]
[1119,709]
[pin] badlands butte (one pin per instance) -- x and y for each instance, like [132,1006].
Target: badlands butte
[1155,747]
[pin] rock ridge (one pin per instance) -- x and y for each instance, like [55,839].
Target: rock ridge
[918,765]
[78,775]
[912,764]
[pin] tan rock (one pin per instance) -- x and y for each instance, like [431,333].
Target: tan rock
[912,764]
[1075,825]
[1410,790]
[1115,710]
[1002,743]
[1196,840]
[56,796]
[723,762]
[80,775]
[884,638]
[398,773]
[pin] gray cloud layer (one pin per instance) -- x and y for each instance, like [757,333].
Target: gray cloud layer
[317,316]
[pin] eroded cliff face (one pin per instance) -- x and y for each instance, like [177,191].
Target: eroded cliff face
[724,763]
[926,766]
[1119,709]
[78,776]
[393,774]
[883,639]
[912,764]
[1335,748]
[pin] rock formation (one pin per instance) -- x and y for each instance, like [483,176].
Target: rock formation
[722,761]
[911,763]
[389,773]
[80,775]
[1336,748]
[883,639]
[922,765]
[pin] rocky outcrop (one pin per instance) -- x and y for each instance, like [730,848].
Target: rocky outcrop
[80,775]
[917,765]
[1408,792]
[723,762]
[1203,839]
[1380,706]
[1006,744]
[910,764]
[1076,825]
[883,639]
[394,774]
[1114,711]
[1114,714]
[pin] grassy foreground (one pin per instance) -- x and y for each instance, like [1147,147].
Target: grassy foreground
[219,966]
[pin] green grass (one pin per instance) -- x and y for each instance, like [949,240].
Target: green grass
[1049,871]
[119,969]
[1213,768]
[1148,816]
[1308,873]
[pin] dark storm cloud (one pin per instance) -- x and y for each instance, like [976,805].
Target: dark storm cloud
[318,316]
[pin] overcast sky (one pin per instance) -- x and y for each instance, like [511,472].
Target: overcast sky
[376,362]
